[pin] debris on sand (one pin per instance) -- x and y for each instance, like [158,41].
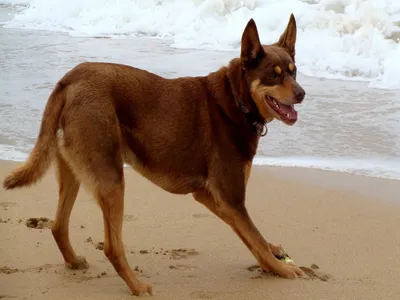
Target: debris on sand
[100,246]
[7,270]
[39,223]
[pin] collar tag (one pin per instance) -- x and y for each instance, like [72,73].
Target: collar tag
[260,128]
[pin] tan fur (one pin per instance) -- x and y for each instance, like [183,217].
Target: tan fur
[258,93]
[247,171]
[186,135]
[282,92]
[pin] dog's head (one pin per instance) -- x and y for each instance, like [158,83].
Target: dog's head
[270,73]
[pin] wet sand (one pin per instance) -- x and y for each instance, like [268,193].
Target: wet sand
[343,223]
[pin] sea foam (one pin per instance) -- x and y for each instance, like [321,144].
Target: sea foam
[346,39]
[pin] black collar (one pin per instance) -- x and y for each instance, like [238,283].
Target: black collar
[253,119]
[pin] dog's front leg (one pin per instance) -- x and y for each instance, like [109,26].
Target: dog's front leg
[238,218]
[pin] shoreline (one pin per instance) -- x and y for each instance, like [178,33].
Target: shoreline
[362,185]
[258,161]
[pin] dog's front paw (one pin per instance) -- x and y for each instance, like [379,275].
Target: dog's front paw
[278,251]
[289,271]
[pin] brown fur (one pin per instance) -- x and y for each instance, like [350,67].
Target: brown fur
[186,135]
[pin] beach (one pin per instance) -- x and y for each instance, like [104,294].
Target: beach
[327,188]
[345,224]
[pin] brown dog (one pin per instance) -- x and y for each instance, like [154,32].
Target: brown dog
[187,135]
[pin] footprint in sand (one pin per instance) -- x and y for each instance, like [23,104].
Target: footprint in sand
[311,272]
[174,254]
[182,267]
[260,272]
[7,270]
[182,253]
[80,276]
[39,223]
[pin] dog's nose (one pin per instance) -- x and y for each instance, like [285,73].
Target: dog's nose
[300,93]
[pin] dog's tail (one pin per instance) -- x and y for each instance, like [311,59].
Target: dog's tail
[43,152]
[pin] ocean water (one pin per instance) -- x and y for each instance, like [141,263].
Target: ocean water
[337,38]
[348,55]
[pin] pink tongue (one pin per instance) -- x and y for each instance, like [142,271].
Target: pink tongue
[286,109]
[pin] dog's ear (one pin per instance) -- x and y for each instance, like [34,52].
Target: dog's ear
[251,48]
[288,38]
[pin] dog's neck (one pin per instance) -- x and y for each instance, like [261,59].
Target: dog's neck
[234,97]
[229,91]
[241,94]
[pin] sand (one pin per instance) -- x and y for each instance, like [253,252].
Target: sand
[345,224]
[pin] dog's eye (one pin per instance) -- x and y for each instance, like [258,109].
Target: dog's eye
[274,75]
[276,72]
[293,70]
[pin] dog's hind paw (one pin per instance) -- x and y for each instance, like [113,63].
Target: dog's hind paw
[79,264]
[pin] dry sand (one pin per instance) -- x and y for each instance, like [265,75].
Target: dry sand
[347,225]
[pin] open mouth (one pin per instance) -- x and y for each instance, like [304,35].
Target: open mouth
[286,113]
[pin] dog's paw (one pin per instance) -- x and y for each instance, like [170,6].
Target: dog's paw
[289,270]
[278,251]
[79,264]
[141,289]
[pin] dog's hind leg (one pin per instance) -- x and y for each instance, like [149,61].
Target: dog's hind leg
[110,196]
[91,144]
[103,176]
[68,190]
